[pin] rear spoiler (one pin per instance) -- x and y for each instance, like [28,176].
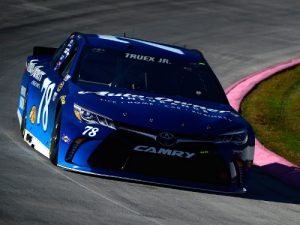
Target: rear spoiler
[37,50]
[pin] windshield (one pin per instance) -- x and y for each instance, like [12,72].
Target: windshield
[151,74]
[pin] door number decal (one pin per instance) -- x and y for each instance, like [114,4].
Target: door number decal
[47,90]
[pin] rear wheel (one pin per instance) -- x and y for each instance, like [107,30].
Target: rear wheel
[53,153]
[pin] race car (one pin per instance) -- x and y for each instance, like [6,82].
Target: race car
[133,109]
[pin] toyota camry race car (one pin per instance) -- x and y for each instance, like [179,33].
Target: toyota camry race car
[134,109]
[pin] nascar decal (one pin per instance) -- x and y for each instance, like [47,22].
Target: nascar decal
[47,90]
[35,71]
[166,102]
[164,151]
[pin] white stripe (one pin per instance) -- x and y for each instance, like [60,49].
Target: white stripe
[112,38]
[36,144]
[19,117]
[170,49]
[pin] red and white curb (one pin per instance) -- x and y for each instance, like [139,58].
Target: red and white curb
[274,164]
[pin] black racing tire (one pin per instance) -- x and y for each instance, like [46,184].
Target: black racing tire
[53,152]
[24,117]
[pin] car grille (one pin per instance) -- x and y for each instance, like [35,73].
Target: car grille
[116,153]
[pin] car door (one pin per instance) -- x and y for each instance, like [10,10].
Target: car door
[52,86]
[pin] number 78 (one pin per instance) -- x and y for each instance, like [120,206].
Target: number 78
[91,131]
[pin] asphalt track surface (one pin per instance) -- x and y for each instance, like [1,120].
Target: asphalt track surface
[237,37]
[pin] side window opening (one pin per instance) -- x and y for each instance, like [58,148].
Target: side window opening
[57,54]
[64,57]
[68,64]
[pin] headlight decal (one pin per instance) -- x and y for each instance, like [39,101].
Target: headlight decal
[236,137]
[90,117]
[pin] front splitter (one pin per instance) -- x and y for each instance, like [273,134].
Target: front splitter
[158,181]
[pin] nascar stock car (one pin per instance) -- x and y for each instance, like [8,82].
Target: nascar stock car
[136,110]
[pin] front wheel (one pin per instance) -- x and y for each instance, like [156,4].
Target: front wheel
[53,153]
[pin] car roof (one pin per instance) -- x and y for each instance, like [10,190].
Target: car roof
[143,47]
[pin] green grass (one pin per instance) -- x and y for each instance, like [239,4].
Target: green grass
[273,109]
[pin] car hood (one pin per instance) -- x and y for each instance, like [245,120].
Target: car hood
[154,111]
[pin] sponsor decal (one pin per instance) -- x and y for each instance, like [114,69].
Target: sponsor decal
[166,102]
[35,71]
[63,99]
[54,96]
[32,114]
[23,91]
[22,102]
[67,77]
[60,86]
[66,139]
[65,54]
[164,151]
[147,58]
[36,84]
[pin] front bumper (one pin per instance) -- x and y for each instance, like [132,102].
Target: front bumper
[216,168]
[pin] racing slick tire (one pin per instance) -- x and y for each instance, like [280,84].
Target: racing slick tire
[53,152]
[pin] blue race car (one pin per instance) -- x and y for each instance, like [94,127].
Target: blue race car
[134,109]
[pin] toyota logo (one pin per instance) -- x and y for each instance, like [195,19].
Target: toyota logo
[166,139]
